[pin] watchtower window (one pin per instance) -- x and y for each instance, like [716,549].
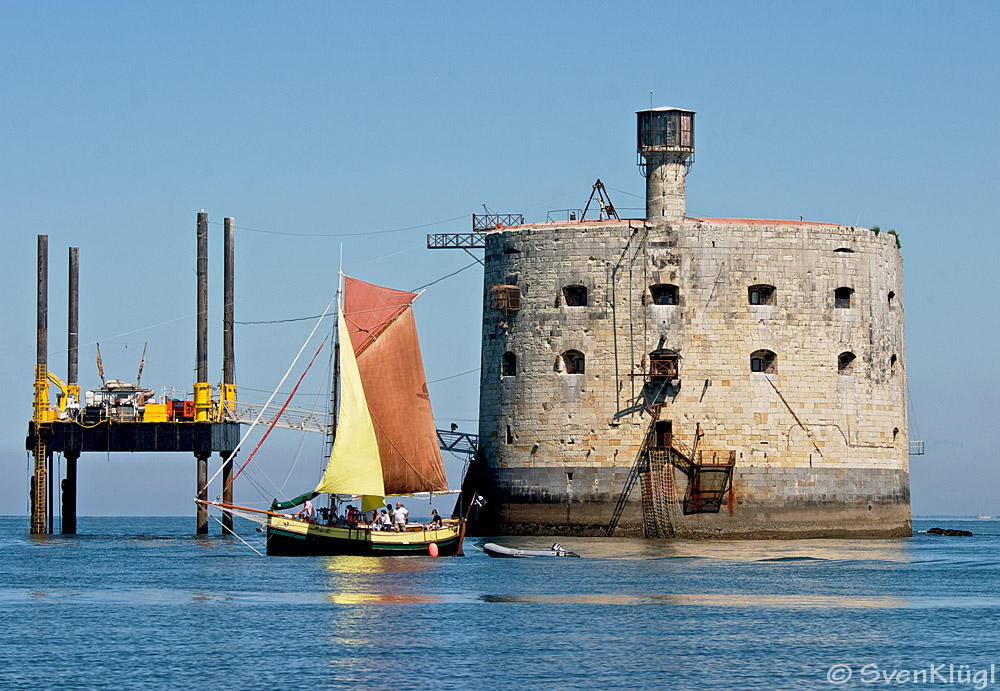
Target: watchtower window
[892,297]
[575,296]
[664,294]
[842,297]
[509,368]
[892,364]
[505,298]
[763,361]
[664,364]
[572,362]
[760,295]
[845,363]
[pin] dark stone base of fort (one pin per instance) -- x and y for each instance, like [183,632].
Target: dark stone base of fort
[764,503]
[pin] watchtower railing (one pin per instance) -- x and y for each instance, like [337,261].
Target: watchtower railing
[485,222]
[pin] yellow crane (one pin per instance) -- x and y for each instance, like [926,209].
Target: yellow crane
[69,396]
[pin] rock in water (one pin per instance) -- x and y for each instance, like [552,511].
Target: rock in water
[950,531]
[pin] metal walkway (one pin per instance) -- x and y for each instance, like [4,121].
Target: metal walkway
[319,421]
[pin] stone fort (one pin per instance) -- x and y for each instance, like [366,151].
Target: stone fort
[679,376]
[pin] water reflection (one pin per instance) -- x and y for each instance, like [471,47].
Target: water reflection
[354,580]
[892,550]
[352,565]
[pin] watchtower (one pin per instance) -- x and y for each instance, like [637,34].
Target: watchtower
[666,153]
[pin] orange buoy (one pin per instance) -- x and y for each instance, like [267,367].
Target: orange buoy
[433,549]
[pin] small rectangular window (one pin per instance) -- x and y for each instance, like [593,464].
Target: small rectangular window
[663,294]
[509,368]
[575,296]
[505,298]
[760,295]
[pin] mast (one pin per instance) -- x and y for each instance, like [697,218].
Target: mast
[331,430]
[332,433]
[336,369]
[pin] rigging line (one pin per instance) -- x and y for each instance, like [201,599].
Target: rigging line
[259,485]
[631,194]
[281,393]
[462,374]
[278,416]
[346,314]
[339,235]
[279,321]
[453,273]
[302,440]
[264,407]
[397,450]
[551,201]
[233,533]
[240,301]
[295,461]
[911,412]
[421,246]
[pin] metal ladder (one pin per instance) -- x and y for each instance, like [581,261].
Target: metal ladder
[640,466]
[39,513]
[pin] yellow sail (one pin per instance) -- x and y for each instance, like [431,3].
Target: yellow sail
[355,466]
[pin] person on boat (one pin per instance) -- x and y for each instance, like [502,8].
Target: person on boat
[435,519]
[352,516]
[399,516]
[384,520]
[307,512]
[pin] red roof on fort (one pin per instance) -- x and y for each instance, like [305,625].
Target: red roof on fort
[716,221]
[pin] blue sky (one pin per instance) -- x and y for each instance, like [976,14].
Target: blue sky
[120,121]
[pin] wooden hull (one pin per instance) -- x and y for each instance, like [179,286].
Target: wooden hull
[289,537]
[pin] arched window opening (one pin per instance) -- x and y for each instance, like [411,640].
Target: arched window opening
[509,437]
[845,363]
[575,296]
[892,298]
[895,433]
[664,294]
[763,361]
[844,250]
[572,362]
[892,364]
[761,295]
[842,297]
[509,365]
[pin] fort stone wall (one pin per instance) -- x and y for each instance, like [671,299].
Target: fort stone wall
[818,431]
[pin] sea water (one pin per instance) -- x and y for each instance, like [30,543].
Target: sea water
[141,603]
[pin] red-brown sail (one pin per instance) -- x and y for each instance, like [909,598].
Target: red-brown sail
[384,338]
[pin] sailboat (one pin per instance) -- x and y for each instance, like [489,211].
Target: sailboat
[385,440]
